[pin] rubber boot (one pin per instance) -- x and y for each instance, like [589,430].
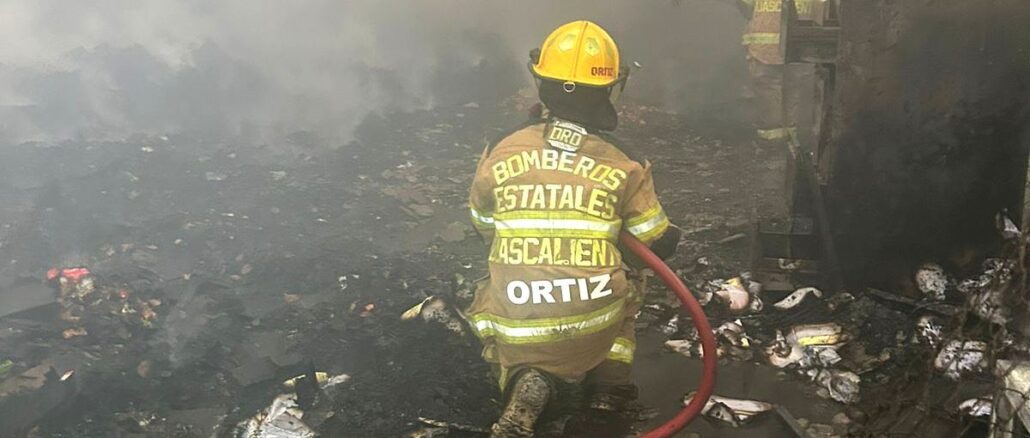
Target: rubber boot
[529,396]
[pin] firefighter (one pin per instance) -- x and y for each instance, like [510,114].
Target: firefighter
[776,110]
[552,197]
[776,86]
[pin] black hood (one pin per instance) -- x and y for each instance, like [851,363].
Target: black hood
[586,106]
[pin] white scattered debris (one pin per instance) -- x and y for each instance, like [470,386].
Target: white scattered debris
[820,356]
[722,413]
[278,175]
[780,353]
[740,294]
[336,380]
[753,287]
[790,349]
[341,281]
[797,297]
[977,407]
[1008,229]
[842,386]
[961,358]
[989,306]
[730,337]
[734,295]
[929,331]
[281,419]
[323,379]
[686,347]
[932,281]
[434,309]
[756,304]
[733,332]
[731,410]
[706,292]
[984,292]
[672,326]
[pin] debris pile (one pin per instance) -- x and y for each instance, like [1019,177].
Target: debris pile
[846,344]
[808,350]
[284,417]
[85,303]
[191,277]
[194,312]
[732,411]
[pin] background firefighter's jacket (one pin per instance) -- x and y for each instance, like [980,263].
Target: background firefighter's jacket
[762,36]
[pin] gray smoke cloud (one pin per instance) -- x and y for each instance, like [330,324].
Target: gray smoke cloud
[110,69]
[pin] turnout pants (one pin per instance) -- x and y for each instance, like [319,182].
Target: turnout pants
[777,89]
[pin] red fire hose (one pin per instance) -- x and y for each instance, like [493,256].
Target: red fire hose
[704,330]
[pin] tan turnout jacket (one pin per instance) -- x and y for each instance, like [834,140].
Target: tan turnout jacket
[553,199]
[762,36]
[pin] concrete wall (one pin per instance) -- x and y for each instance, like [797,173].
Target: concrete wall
[932,125]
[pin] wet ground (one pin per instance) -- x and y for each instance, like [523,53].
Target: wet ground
[263,261]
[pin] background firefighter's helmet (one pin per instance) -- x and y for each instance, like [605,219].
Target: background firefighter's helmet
[579,53]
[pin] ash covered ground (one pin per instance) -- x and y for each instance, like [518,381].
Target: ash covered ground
[223,269]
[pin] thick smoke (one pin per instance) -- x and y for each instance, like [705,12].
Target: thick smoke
[264,69]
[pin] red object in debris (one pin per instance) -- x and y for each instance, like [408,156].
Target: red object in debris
[75,274]
[704,330]
[52,274]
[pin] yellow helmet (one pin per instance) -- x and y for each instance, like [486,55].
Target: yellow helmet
[578,53]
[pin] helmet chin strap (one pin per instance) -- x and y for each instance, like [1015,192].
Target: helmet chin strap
[615,91]
[620,85]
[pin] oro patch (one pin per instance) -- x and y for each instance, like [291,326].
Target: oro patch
[565,135]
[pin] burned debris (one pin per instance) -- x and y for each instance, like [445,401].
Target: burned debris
[188,319]
[189,248]
[205,347]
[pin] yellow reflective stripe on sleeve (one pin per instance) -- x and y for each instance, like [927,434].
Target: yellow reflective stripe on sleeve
[479,219]
[532,331]
[776,133]
[622,350]
[502,378]
[772,134]
[761,38]
[555,224]
[649,225]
